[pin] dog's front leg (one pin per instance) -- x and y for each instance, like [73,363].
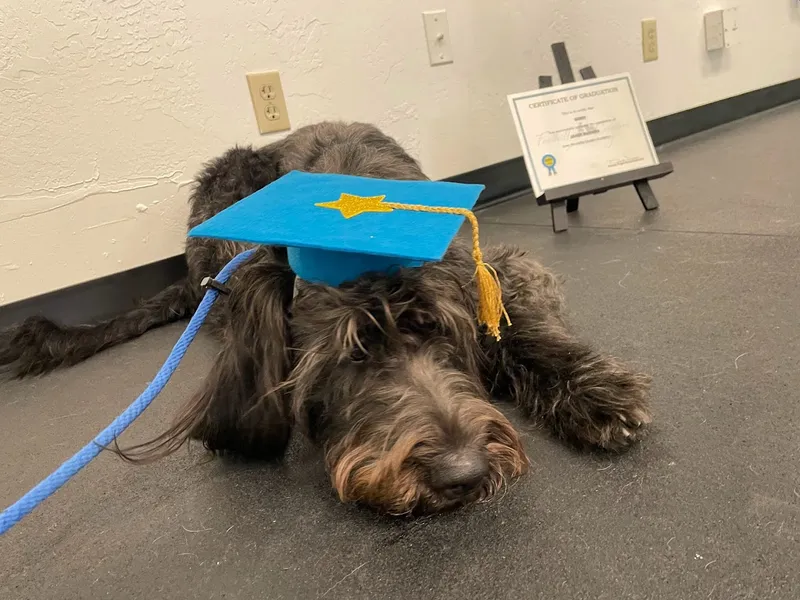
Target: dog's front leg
[584,397]
[242,407]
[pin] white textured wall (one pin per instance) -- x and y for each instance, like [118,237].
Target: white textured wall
[108,107]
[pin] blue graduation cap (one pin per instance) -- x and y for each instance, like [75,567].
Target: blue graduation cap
[339,227]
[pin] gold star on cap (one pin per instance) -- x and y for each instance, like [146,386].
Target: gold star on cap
[351,206]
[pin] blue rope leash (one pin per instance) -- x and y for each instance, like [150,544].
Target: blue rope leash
[49,485]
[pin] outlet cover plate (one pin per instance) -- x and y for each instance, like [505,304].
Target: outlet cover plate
[269,103]
[649,40]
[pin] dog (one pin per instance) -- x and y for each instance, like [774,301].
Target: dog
[390,375]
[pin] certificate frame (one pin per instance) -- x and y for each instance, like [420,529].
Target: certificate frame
[552,102]
[565,198]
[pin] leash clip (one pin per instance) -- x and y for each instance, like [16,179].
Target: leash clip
[211,283]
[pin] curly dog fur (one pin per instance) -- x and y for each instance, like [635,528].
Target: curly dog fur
[389,374]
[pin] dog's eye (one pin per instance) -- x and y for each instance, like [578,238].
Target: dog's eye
[420,447]
[421,326]
[357,355]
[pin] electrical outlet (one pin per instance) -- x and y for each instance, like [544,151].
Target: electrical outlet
[649,40]
[272,113]
[715,30]
[269,103]
[437,33]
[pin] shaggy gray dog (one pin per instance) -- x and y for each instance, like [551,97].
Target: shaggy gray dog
[389,374]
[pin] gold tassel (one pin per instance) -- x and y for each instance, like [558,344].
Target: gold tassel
[490,299]
[490,294]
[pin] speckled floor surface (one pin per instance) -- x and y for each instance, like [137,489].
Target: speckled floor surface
[703,293]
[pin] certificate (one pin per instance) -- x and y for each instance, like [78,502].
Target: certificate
[581,131]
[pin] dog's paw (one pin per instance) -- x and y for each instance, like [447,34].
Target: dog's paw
[608,410]
[620,427]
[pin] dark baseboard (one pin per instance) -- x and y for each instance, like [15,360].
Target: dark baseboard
[696,120]
[502,180]
[100,298]
[116,293]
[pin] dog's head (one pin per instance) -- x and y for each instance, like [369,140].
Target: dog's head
[384,374]
[387,380]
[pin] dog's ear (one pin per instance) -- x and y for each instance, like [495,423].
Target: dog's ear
[243,406]
[248,409]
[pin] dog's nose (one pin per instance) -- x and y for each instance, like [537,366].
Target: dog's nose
[461,471]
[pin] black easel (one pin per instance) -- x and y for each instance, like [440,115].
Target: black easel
[565,199]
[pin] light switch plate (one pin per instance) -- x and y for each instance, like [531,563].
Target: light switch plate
[269,103]
[437,33]
[715,30]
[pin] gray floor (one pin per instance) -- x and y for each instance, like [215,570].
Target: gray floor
[704,294]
